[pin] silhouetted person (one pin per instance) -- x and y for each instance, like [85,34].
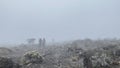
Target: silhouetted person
[40,42]
[43,42]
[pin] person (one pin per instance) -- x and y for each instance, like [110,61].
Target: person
[43,42]
[40,42]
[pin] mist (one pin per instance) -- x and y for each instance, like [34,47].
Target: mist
[59,34]
[58,19]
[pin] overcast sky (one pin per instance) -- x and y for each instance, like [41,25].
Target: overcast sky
[58,19]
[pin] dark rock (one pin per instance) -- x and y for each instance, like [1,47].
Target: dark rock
[6,63]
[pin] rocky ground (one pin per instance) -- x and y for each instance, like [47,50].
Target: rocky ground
[76,54]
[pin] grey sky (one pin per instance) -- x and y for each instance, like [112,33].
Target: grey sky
[58,19]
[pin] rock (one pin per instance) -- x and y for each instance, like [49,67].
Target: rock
[32,57]
[6,63]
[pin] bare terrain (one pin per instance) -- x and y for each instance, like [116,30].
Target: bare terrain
[74,54]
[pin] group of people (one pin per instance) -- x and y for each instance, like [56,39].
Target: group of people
[42,42]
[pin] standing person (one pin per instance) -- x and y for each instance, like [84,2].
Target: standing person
[40,42]
[43,42]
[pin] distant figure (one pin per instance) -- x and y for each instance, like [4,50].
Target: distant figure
[44,42]
[40,42]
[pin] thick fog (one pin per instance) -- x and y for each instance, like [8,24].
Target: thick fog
[58,19]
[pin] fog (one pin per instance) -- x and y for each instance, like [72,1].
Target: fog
[58,19]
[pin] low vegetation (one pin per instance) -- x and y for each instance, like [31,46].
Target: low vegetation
[75,54]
